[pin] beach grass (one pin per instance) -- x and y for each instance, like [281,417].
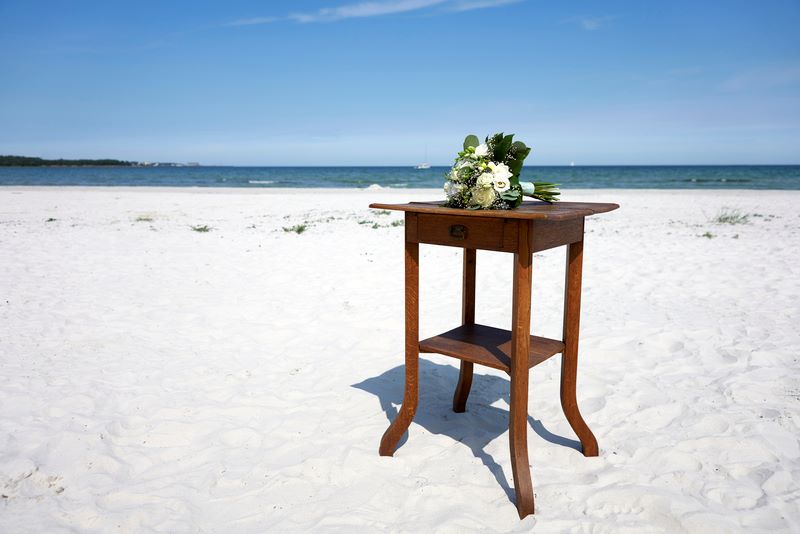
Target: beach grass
[730,216]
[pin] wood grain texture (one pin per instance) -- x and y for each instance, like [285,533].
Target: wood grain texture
[466,232]
[404,417]
[550,234]
[569,359]
[520,348]
[467,318]
[488,346]
[557,211]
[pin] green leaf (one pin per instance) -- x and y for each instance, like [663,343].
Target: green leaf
[471,141]
[520,150]
[502,147]
[515,166]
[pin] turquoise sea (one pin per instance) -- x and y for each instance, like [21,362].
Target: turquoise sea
[624,177]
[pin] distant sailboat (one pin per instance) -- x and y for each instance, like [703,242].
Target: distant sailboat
[571,163]
[424,164]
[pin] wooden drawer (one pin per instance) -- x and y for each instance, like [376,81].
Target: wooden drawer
[466,232]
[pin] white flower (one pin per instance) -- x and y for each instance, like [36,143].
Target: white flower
[453,174]
[500,171]
[484,181]
[482,150]
[451,189]
[501,185]
[483,196]
[464,163]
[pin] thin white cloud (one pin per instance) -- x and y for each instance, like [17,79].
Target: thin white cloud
[363,9]
[376,8]
[253,21]
[469,5]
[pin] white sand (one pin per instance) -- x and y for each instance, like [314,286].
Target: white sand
[160,379]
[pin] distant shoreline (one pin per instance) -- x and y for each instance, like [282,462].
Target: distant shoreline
[783,177]
[23,162]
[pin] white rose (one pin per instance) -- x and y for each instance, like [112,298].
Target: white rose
[453,174]
[484,197]
[500,171]
[484,181]
[482,150]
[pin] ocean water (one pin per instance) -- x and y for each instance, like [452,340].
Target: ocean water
[622,177]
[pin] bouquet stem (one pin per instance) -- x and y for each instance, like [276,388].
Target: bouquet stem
[545,191]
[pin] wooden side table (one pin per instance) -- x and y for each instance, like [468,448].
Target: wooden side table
[532,227]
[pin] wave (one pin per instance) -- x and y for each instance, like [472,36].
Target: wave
[264,182]
[711,180]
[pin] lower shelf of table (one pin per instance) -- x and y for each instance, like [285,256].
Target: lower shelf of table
[487,346]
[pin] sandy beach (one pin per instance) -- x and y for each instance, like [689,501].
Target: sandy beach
[159,378]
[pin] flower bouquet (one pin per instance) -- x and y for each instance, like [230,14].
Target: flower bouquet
[485,176]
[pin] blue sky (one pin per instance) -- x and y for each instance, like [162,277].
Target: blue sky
[344,82]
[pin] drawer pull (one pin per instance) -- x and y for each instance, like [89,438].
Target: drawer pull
[458,231]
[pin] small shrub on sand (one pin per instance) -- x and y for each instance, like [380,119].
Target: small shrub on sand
[144,218]
[709,235]
[297,228]
[202,229]
[730,216]
[401,222]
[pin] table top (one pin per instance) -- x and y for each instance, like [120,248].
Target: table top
[558,211]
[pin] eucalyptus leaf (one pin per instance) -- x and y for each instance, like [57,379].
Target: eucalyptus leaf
[471,141]
[520,150]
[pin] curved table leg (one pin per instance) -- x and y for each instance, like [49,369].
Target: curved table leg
[399,426]
[569,359]
[520,347]
[518,441]
[467,317]
[463,387]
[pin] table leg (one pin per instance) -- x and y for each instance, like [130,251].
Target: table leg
[520,347]
[569,359]
[467,317]
[411,395]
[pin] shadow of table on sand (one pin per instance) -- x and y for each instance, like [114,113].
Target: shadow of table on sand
[476,428]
